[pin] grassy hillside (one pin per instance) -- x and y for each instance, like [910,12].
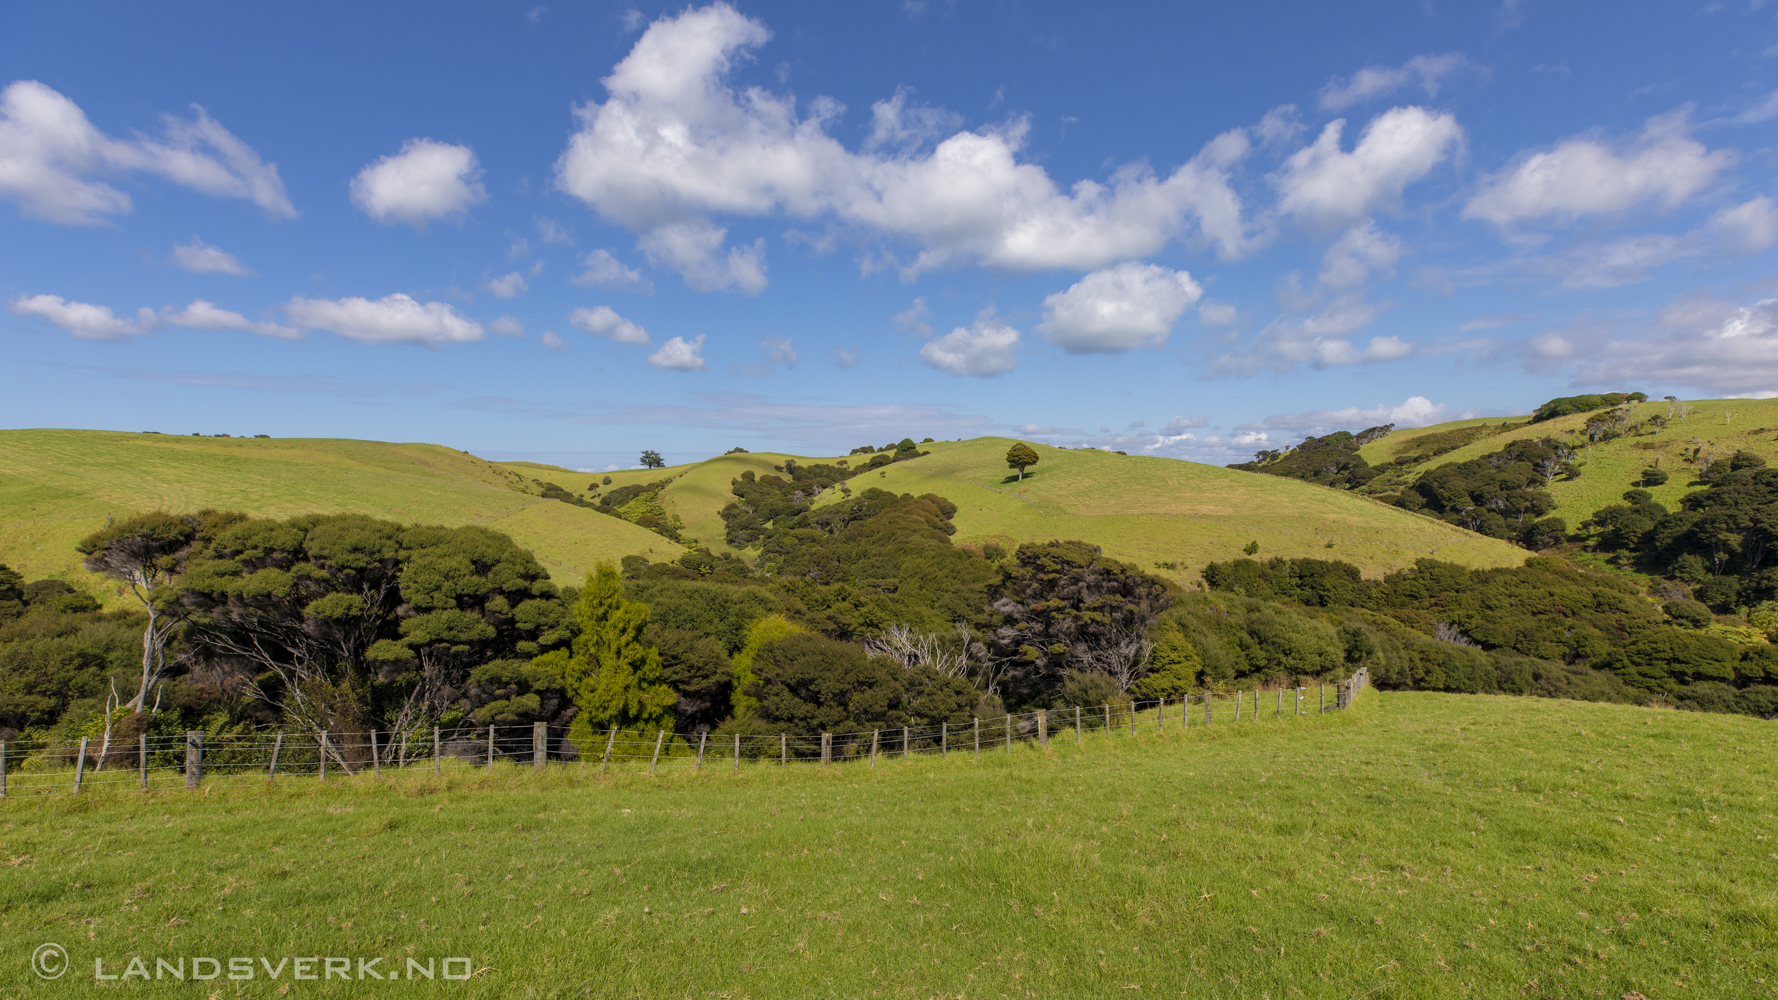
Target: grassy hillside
[1156,511]
[1418,846]
[56,486]
[1614,466]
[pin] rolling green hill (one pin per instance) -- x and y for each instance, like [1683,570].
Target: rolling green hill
[56,486]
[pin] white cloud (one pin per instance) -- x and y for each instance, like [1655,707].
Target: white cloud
[694,249]
[1327,186]
[1377,81]
[603,270]
[1216,313]
[508,326]
[680,355]
[777,351]
[1764,111]
[984,348]
[603,321]
[1320,340]
[392,319]
[675,143]
[914,319]
[1177,434]
[51,156]
[843,358]
[83,320]
[551,231]
[507,286]
[1118,309]
[1360,250]
[199,257]
[202,315]
[427,180]
[1415,411]
[1614,263]
[1721,348]
[1749,227]
[552,341]
[1589,177]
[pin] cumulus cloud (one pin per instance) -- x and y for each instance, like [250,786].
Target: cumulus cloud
[202,315]
[915,319]
[983,349]
[1326,186]
[1663,164]
[392,319]
[1216,313]
[674,143]
[603,270]
[1415,411]
[1358,252]
[1719,347]
[52,156]
[680,355]
[427,180]
[507,286]
[603,321]
[1119,308]
[1378,81]
[1614,263]
[199,257]
[1749,227]
[82,319]
[508,326]
[695,250]
[552,341]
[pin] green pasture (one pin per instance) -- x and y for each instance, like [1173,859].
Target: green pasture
[1419,845]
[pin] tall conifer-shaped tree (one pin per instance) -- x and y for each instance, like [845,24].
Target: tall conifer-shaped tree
[612,674]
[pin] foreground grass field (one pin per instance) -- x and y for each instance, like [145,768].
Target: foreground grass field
[1417,846]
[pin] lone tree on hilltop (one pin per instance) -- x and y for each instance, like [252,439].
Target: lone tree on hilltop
[1021,456]
[652,460]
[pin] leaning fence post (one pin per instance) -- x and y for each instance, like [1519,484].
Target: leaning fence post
[437,745]
[703,738]
[271,772]
[783,750]
[904,743]
[376,755]
[80,765]
[826,748]
[539,745]
[323,755]
[1043,728]
[658,740]
[141,762]
[194,757]
[606,760]
[874,734]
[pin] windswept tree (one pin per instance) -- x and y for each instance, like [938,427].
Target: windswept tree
[652,460]
[1021,456]
[146,554]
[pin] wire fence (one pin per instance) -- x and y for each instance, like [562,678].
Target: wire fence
[144,763]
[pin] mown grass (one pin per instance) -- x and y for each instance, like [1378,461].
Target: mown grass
[56,486]
[1171,517]
[1421,845]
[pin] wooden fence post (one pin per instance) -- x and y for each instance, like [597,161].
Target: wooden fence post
[826,748]
[658,740]
[80,765]
[1185,711]
[1077,736]
[437,747]
[737,753]
[1108,718]
[491,728]
[904,743]
[702,739]
[1043,728]
[1207,699]
[2,769]
[1160,717]
[401,755]
[141,763]
[376,755]
[194,757]
[1132,716]
[271,772]
[873,746]
[977,727]
[1009,734]
[539,745]
[605,761]
[783,750]
[1237,707]
[1323,708]
[944,740]
[323,755]
[1280,714]
[1299,701]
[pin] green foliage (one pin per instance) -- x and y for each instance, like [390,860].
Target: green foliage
[1689,614]
[1251,548]
[697,668]
[809,684]
[1567,405]
[1654,477]
[1332,460]
[766,630]
[639,504]
[1425,447]
[652,460]
[612,674]
[518,693]
[1173,665]
[1498,495]
[1021,456]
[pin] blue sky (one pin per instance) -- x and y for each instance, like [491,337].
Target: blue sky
[570,232]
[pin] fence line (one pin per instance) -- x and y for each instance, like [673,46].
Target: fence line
[196,760]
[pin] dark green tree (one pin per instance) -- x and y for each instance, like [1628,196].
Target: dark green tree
[1021,456]
[652,460]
